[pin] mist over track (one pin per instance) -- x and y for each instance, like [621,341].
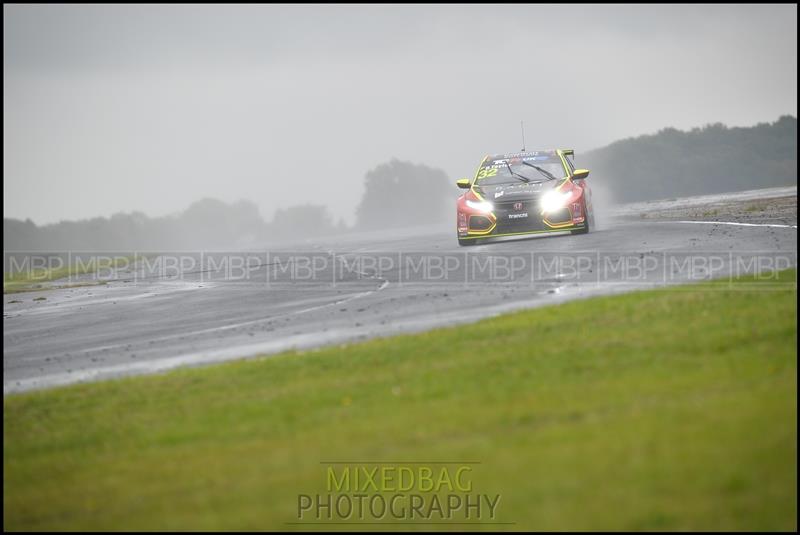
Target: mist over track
[194,307]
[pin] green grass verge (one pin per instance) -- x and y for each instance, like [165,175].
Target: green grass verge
[34,279]
[669,409]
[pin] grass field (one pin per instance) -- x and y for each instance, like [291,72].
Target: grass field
[668,409]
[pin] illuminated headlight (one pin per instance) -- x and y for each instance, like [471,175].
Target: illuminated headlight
[554,200]
[481,206]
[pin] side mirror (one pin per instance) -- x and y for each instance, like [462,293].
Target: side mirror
[580,173]
[463,183]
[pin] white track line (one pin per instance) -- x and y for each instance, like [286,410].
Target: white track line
[775,225]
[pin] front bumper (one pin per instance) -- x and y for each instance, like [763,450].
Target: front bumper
[518,218]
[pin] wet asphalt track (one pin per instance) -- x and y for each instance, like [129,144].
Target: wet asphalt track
[332,291]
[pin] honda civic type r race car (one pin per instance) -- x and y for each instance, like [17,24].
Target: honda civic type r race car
[524,193]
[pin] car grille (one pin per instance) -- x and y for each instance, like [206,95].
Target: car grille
[506,224]
[479,222]
[560,216]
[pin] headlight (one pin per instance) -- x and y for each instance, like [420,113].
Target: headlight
[481,206]
[554,200]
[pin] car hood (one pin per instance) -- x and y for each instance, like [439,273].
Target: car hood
[515,192]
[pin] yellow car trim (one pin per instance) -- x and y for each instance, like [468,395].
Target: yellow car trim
[490,215]
[520,233]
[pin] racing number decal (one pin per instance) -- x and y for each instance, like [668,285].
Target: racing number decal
[486,172]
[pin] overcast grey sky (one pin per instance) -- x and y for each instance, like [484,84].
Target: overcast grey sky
[120,108]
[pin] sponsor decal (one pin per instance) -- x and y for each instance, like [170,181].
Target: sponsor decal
[499,193]
[539,153]
[518,216]
[517,206]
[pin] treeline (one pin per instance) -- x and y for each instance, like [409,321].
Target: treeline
[711,159]
[396,194]
[207,223]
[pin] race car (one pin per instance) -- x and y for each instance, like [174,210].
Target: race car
[524,193]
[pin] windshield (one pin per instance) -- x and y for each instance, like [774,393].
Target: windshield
[512,170]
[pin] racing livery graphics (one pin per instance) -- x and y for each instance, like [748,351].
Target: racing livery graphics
[524,193]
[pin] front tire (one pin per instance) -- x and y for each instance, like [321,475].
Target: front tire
[584,230]
[586,222]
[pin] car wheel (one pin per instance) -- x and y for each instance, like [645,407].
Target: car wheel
[588,222]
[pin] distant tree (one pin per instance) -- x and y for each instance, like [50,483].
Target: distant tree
[341,226]
[207,223]
[401,193]
[303,221]
[213,223]
[711,159]
[19,235]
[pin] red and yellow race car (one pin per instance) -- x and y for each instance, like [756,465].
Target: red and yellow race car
[523,193]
